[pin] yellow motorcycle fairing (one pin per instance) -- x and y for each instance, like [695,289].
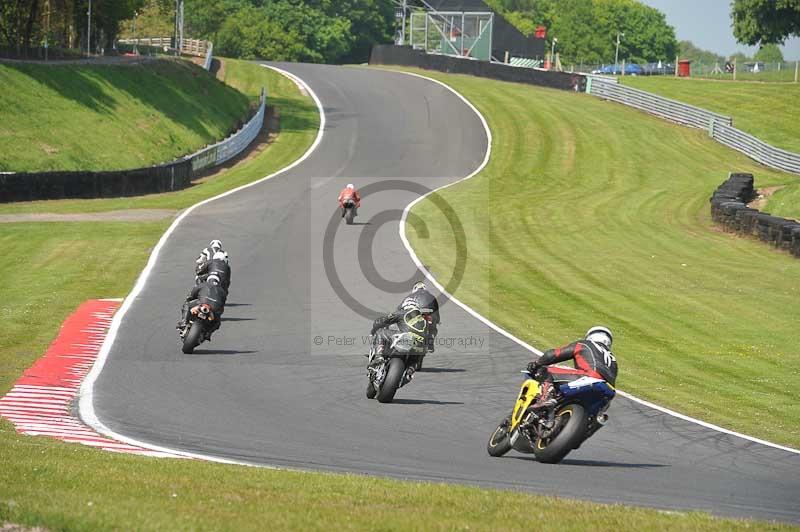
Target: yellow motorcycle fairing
[528,392]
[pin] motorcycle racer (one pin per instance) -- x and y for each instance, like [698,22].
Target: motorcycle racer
[591,355]
[349,193]
[427,301]
[409,319]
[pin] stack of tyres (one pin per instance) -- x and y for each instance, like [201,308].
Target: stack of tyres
[795,246]
[729,209]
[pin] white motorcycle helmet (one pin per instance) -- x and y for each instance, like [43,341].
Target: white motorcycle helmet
[350,185]
[419,285]
[600,335]
[215,245]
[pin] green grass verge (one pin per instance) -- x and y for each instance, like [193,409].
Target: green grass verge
[78,117]
[785,202]
[299,122]
[71,487]
[766,110]
[772,76]
[591,212]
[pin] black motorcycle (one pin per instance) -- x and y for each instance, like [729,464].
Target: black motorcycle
[198,327]
[349,207]
[392,369]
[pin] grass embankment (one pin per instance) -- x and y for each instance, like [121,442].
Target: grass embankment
[82,117]
[62,486]
[767,110]
[69,487]
[299,121]
[591,212]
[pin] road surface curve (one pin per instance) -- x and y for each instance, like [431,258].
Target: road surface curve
[282,383]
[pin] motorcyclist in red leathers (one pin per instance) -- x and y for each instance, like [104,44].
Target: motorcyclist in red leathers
[349,193]
[592,357]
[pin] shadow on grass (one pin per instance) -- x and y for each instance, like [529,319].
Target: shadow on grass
[178,91]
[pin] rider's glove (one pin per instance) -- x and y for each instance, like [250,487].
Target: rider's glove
[533,367]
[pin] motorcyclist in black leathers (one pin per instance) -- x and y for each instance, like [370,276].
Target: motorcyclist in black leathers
[408,319]
[426,302]
[219,266]
[211,293]
[591,355]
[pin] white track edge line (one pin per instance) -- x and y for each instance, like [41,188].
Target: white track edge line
[502,331]
[86,394]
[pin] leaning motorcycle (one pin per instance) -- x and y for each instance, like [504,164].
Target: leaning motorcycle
[550,433]
[393,369]
[197,329]
[349,207]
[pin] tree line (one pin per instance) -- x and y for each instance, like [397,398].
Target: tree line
[587,29]
[318,31]
[62,23]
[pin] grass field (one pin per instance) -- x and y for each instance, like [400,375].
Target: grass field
[299,122]
[767,110]
[110,117]
[785,202]
[69,487]
[590,212]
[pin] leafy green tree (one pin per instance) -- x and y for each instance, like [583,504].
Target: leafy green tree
[687,50]
[371,22]
[587,29]
[285,31]
[765,21]
[769,53]
[154,19]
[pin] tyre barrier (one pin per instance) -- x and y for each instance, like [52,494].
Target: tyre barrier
[729,209]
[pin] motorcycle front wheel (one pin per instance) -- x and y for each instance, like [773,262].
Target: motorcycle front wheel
[193,337]
[349,216]
[500,441]
[573,421]
[371,391]
[394,373]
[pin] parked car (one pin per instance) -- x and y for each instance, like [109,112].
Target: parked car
[631,69]
[658,69]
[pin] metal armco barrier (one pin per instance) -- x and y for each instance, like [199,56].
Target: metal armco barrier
[30,186]
[719,127]
[387,54]
[209,56]
[232,146]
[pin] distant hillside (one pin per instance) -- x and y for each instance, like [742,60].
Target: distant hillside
[110,117]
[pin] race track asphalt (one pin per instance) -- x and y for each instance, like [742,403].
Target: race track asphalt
[264,392]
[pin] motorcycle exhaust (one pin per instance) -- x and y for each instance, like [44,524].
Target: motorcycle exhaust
[602,419]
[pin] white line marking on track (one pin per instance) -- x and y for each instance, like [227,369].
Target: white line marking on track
[504,332]
[86,401]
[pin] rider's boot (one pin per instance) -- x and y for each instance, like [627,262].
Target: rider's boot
[546,398]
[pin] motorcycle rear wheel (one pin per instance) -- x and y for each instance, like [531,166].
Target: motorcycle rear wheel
[499,442]
[553,450]
[394,373]
[193,337]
